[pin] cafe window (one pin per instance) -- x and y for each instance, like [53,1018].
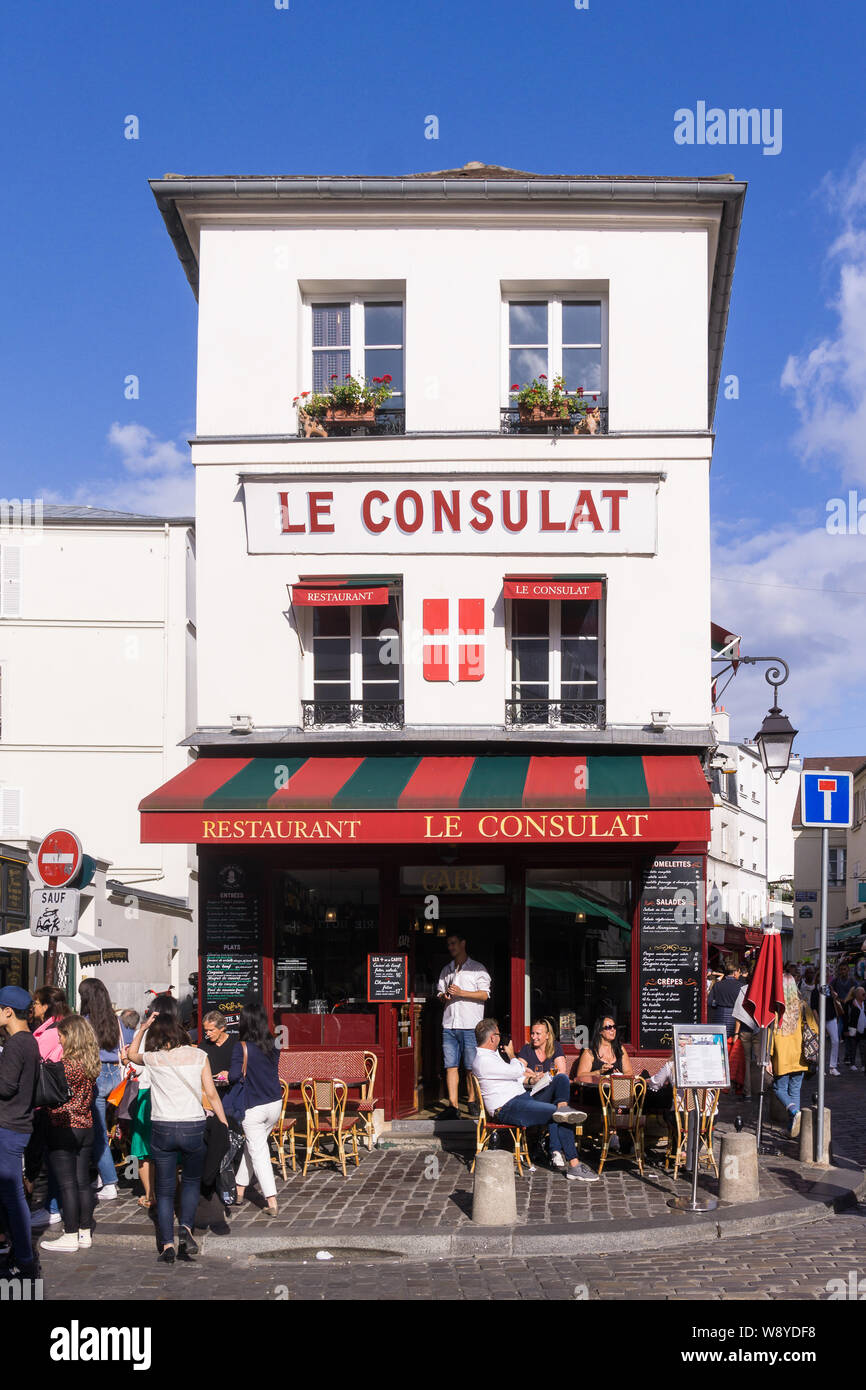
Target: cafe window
[359,337]
[555,657]
[580,933]
[326,923]
[557,336]
[353,664]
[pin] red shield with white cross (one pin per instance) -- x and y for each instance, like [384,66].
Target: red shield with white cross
[453,639]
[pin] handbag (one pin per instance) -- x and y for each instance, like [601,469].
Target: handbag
[52,1085]
[234,1104]
[810,1041]
[130,1094]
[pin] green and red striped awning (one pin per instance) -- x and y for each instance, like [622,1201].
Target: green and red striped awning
[415,799]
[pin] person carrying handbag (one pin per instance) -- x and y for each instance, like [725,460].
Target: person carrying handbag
[255,1099]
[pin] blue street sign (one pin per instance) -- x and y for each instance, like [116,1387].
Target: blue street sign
[827,799]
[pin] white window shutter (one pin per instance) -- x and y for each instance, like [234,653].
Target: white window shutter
[10,581]
[10,811]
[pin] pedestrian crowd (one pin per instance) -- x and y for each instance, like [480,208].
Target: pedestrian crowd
[185,1112]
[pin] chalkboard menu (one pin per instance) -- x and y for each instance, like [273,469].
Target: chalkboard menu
[387,979]
[232,938]
[228,979]
[670,944]
[14,911]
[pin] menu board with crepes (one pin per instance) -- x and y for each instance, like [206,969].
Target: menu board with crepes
[670,947]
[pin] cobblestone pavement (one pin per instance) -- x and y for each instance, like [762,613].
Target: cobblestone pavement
[390,1191]
[410,1188]
[796,1265]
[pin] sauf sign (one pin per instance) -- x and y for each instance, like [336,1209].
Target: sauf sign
[575,515]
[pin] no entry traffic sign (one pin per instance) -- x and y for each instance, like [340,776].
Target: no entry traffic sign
[826,799]
[59,858]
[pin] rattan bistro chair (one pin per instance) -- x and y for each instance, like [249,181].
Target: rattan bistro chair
[485,1130]
[622,1099]
[283,1131]
[325,1104]
[708,1104]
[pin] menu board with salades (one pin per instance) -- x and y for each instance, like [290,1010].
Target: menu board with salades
[671,930]
[231,939]
[387,979]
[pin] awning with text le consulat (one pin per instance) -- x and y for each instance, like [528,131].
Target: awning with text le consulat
[428,800]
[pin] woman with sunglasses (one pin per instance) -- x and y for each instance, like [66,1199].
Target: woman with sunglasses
[604,1055]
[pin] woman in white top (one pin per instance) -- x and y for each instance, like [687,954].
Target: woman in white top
[178,1073]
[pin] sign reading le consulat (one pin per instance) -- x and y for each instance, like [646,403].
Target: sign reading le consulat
[408,827]
[491,516]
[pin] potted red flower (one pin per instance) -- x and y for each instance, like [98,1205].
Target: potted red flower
[350,401]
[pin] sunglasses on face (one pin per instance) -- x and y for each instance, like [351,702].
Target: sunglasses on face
[609,1027]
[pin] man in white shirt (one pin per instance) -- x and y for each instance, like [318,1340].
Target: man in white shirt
[507,1101]
[464,988]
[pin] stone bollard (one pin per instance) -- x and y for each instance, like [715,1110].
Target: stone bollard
[494,1198]
[738,1168]
[808,1137]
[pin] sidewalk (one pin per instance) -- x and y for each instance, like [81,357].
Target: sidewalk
[419,1202]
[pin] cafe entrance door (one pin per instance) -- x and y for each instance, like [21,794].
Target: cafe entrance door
[486,927]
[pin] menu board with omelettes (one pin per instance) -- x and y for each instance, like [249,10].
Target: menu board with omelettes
[670,946]
[232,941]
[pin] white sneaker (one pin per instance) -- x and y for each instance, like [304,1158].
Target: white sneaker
[557,1159]
[107,1193]
[85,1240]
[67,1242]
[834,1071]
[54,1218]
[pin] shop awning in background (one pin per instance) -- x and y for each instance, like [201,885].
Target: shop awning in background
[408,800]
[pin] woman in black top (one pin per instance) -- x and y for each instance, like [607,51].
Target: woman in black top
[605,1053]
[543,1053]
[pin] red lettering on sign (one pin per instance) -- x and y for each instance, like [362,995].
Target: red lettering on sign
[507,520]
[546,523]
[585,510]
[285,524]
[320,507]
[375,526]
[479,506]
[450,510]
[615,495]
[400,511]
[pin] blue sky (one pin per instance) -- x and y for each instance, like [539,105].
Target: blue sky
[93,290]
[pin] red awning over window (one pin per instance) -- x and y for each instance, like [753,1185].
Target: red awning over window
[306,596]
[538,587]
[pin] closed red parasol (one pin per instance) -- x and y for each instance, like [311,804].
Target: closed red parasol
[765,1001]
[765,997]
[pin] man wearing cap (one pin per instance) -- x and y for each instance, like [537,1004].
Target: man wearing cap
[19,1067]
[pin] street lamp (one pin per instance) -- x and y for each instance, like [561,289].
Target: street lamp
[776,735]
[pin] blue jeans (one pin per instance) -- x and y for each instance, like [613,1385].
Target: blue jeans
[108,1078]
[12,1146]
[459,1047]
[787,1089]
[537,1110]
[170,1138]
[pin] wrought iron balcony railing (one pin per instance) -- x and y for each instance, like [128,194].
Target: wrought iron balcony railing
[555,714]
[350,714]
[385,422]
[595,422]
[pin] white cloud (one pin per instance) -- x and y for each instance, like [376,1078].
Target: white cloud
[829,379]
[803,599]
[156,479]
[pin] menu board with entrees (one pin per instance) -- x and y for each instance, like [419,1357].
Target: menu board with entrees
[670,945]
[387,979]
[232,940]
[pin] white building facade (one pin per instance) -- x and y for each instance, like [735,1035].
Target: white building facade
[97,639]
[453,664]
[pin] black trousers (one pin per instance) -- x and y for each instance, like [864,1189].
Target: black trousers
[70,1152]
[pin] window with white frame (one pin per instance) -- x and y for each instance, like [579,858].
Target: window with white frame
[555,655]
[361,337]
[837,856]
[557,335]
[353,663]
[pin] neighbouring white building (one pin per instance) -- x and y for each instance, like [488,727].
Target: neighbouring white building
[97,689]
[808,890]
[453,660]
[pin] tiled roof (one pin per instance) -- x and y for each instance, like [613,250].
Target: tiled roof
[61,511]
[473,170]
